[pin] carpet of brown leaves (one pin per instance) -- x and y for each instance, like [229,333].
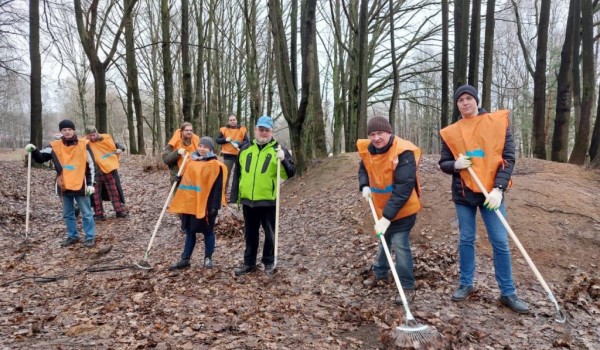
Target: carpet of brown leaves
[73,298]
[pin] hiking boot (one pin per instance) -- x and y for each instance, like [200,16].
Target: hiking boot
[244,269]
[515,304]
[90,243]
[270,269]
[376,281]
[409,294]
[462,293]
[180,265]
[122,214]
[208,264]
[69,241]
[99,217]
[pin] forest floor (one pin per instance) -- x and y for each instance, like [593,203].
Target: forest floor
[74,298]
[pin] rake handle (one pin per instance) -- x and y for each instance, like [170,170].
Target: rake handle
[164,209]
[277,201]
[536,272]
[409,316]
[28,193]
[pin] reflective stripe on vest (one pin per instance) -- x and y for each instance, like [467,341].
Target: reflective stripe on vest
[381,168]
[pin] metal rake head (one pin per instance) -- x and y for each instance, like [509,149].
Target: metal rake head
[417,337]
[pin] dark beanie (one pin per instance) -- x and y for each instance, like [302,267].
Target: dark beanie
[208,142]
[66,123]
[378,124]
[466,89]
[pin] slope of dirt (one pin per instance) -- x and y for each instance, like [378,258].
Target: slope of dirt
[52,297]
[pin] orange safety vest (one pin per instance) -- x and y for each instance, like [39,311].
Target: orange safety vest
[176,142]
[193,191]
[73,160]
[236,134]
[482,138]
[104,153]
[381,167]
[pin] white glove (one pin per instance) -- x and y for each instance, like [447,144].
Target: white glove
[90,190]
[280,154]
[118,151]
[494,199]
[366,192]
[181,151]
[382,225]
[463,162]
[30,148]
[228,139]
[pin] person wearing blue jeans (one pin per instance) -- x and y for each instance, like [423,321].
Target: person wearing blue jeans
[387,175]
[483,142]
[74,164]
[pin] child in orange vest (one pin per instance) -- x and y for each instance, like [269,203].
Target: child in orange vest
[199,196]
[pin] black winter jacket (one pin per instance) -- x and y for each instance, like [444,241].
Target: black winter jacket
[461,194]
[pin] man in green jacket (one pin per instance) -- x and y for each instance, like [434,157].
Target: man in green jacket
[254,186]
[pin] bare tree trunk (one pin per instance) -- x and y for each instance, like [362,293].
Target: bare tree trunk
[186,109]
[488,55]
[595,143]
[576,75]
[199,102]
[473,76]
[165,24]
[578,156]
[363,71]
[396,82]
[318,126]
[461,45]
[560,137]
[445,64]
[539,84]
[138,147]
[252,71]
[35,60]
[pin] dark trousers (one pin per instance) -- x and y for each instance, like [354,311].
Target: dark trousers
[254,217]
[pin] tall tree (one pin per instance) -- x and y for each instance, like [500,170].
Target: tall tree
[488,55]
[539,83]
[595,143]
[36,73]
[91,40]
[445,64]
[395,70]
[461,44]
[560,136]
[473,75]
[165,25]
[362,85]
[294,113]
[579,153]
[136,146]
[186,108]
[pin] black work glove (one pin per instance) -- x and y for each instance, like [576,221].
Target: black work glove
[178,178]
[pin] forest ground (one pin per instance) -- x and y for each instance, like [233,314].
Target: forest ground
[74,298]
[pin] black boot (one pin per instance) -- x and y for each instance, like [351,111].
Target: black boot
[244,269]
[180,265]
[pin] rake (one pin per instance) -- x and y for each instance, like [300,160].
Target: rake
[411,334]
[560,317]
[143,264]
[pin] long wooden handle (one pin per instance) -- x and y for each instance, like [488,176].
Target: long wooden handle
[28,194]
[164,209]
[277,204]
[536,272]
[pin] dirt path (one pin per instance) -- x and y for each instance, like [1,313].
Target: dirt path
[51,297]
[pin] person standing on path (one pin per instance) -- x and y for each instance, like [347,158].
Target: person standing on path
[106,154]
[183,141]
[387,173]
[232,138]
[255,187]
[74,164]
[200,194]
[483,142]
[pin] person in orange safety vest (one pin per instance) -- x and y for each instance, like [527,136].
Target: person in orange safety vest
[199,196]
[232,138]
[108,183]
[483,142]
[388,175]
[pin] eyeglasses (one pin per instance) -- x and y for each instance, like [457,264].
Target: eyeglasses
[261,129]
[188,130]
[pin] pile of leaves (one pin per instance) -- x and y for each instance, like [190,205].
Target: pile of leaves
[53,297]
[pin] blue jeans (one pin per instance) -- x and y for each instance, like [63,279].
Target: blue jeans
[87,215]
[190,244]
[399,242]
[498,238]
